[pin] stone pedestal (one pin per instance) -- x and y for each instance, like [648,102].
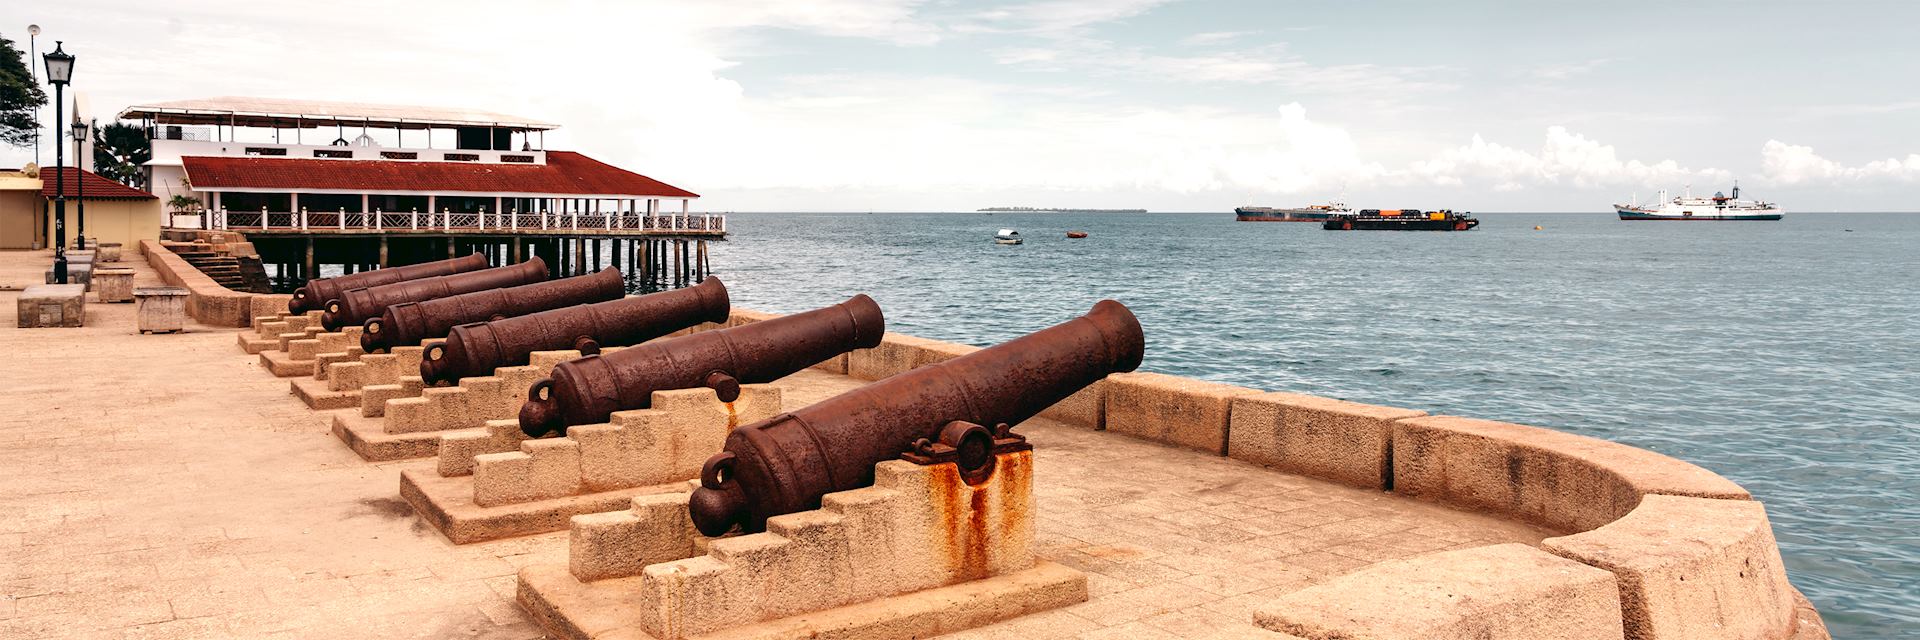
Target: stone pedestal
[918,554]
[495,483]
[162,309]
[80,256]
[107,252]
[113,285]
[53,305]
[80,273]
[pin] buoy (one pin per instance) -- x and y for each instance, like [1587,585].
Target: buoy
[1536,227]
[1076,234]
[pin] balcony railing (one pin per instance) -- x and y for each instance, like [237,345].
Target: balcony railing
[507,222]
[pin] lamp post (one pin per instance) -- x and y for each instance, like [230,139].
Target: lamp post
[59,73]
[80,130]
[33,43]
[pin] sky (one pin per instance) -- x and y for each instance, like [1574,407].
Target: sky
[1169,105]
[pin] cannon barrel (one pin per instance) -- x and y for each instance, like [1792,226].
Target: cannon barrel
[408,323]
[589,390]
[786,463]
[316,293]
[355,306]
[476,349]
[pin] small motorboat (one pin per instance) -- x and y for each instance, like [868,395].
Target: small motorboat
[1076,234]
[1006,236]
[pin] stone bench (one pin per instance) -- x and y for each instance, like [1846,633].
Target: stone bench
[113,285]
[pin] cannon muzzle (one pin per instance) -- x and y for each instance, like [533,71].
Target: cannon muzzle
[477,348]
[589,390]
[958,410]
[408,323]
[317,292]
[355,306]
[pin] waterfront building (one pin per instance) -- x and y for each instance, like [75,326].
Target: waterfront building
[313,183]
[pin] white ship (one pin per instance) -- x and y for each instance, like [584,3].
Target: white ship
[1687,207]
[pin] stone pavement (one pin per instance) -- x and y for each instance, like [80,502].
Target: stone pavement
[164,486]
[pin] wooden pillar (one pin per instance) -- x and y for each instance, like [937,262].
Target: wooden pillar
[307,272]
[383,251]
[679,262]
[517,242]
[615,249]
[596,254]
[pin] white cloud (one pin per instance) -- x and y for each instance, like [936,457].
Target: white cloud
[1566,158]
[1793,164]
[1214,37]
[1567,70]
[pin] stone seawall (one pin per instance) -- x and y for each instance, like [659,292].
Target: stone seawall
[1658,546]
[207,301]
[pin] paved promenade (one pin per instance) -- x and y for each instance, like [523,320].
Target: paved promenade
[165,486]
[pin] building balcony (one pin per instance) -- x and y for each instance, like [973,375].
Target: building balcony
[704,225]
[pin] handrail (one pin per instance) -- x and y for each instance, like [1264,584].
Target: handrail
[447,220]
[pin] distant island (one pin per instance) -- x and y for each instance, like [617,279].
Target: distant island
[1048,210]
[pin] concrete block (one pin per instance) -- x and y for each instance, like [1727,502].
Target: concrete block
[1346,442]
[619,544]
[1558,480]
[113,285]
[1085,408]
[939,531]
[161,309]
[107,252]
[541,469]
[52,305]
[1178,411]
[1692,568]
[1499,592]
[897,353]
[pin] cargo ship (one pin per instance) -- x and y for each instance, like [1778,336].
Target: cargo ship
[1401,220]
[1311,213]
[1687,207]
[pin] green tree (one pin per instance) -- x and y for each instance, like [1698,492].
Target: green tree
[19,97]
[118,151]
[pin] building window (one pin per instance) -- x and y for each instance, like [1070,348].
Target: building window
[332,153]
[513,158]
[266,151]
[399,155]
[462,157]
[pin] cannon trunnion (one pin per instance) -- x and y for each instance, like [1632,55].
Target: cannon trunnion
[958,410]
[408,323]
[355,306]
[314,296]
[476,349]
[590,389]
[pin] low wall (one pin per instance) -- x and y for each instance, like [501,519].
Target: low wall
[207,301]
[1688,552]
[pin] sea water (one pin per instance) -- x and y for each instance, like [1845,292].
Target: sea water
[1783,355]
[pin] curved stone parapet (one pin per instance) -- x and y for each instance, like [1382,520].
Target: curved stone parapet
[1558,480]
[1692,568]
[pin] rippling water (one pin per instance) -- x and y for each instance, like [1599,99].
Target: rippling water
[1784,355]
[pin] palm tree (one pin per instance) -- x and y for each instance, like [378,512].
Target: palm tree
[119,149]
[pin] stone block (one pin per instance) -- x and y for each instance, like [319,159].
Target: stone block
[1558,480]
[161,309]
[899,352]
[619,544]
[1178,411]
[107,252]
[80,273]
[1692,568]
[1498,592]
[52,305]
[1085,408]
[541,469]
[939,531]
[113,285]
[1346,442]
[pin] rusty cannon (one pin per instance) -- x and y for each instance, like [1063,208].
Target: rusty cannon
[589,390]
[314,296]
[408,323]
[476,349]
[355,306]
[954,411]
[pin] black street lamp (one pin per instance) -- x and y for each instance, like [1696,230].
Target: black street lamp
[80,175]
[59,66]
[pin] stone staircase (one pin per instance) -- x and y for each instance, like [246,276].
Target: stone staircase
[224,269]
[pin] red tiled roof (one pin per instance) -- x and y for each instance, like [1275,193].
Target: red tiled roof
[565,173]
[97,187]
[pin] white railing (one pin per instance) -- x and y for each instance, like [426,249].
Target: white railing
[509,222]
